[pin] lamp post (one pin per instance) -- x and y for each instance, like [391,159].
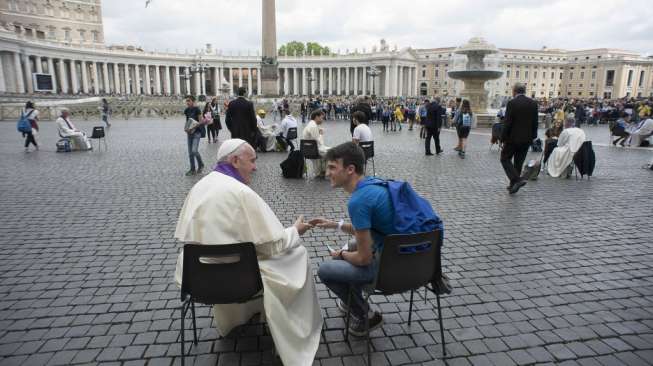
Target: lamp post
[374,73]
[185,77]
[201,68]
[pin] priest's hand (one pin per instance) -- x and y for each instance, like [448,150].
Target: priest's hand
[301,226]
[323,223]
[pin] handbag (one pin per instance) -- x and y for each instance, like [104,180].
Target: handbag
[208,118]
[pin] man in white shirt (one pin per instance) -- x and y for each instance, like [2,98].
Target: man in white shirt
[288,122]
[362,132]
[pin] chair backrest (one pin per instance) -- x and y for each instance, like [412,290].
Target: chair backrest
[368,148]
[220,274]
[409,261]
[98,132]
[292,133]
[309,149]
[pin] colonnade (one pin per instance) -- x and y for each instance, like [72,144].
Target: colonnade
[81,76]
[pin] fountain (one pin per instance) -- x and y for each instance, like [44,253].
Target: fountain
[474,76]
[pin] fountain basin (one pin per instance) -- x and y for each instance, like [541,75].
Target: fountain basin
[475,74]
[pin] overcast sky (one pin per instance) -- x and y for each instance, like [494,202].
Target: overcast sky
[233,25]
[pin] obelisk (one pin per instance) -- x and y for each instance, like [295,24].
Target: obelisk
[269,65]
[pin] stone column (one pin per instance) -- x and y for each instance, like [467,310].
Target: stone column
[258,81]
[196,81]
[240,77]
[400,80]
[105,77]
[139,78]
[338,80]
[321,80]
[347,90]
[356,80]
[187,73]
[203,82]
[116,79]
[157,80]
[146,85]
[63,77]
[85,81]
[39,64]
[3,84]
[286,81]
[304,81]
[231,80]
[52,72]
[250,88]
[126,79]
[74,80]
[365,76]
[295,82]
[177,81]
[20,78]
[387,80]
[28,72]
[415,88]
[94,74]
[166,80]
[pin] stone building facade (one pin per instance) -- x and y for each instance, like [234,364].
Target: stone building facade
[64,38]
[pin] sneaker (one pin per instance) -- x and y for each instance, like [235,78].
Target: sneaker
[27,149]
[342,306]
[457,148]
[357,326]
[199,170]
[190,172]
[461,154]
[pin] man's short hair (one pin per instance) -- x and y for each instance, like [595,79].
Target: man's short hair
[191,97]
[519,88]
[351,154]
[241,91]
[359,116]
[317,112]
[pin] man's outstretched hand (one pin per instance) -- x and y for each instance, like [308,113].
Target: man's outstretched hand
[323,223]
[301,226]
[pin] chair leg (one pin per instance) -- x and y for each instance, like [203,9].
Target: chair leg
[410,307]
[348,315]
[192,303]
[444,350]
[183,315]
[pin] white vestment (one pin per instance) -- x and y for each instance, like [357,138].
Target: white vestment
[78,138]
[268,132]
[312,132]
[221,210]
[569,143]
[641,132]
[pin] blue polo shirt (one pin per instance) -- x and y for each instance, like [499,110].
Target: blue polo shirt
[370,207]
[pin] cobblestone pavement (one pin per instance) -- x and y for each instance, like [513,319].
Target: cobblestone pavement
[559,273]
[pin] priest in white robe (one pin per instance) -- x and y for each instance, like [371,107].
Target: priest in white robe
[642,131]
[269,132]
[569,142]
[222,209]
[67,129]
[313,131]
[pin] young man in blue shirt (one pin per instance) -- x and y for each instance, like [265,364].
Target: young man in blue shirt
[372,213]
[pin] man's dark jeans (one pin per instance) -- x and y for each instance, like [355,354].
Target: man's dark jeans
[284,142]
[435,133]
[512,160]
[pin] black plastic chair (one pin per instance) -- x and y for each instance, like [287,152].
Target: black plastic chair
[368,149]
[309,150]
[98,134]
[206,268]
[408,262]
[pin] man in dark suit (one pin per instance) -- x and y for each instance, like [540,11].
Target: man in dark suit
[241,118]
[433,124]
[519,131]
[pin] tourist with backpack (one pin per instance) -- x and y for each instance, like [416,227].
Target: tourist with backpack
[463,121]
[374,214]
[28,125]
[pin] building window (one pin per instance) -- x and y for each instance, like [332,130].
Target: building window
[609,78]
[593,75]
[66,34]
[535,75]
[95,36]
[553,75]
[560,76]
[641,79]
[423,73]
[52,33]
[508,74]
[437,73]
[582,75]
[526,75]
[630,78]
[82,35]
[517,74]
[571,76]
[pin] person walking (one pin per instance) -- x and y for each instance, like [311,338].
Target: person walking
[519,131]
[105,110]
[241,118]
[463,121]
[216,126]
[433,124]
[32,116]
[195,130]
[207,120]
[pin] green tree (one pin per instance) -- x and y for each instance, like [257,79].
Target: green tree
[296,48]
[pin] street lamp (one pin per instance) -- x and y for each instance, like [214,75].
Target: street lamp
[185,77]
[201,68]
[374,73]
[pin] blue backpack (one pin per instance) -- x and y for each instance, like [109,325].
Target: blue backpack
[413,214]
[467,120]
[24,125]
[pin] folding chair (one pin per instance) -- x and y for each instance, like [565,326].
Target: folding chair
[292,135]
[368,149]
[309,150]
[98,133]
[206,268]
[408,262]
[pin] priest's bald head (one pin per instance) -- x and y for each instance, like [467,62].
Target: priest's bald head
[239,154]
